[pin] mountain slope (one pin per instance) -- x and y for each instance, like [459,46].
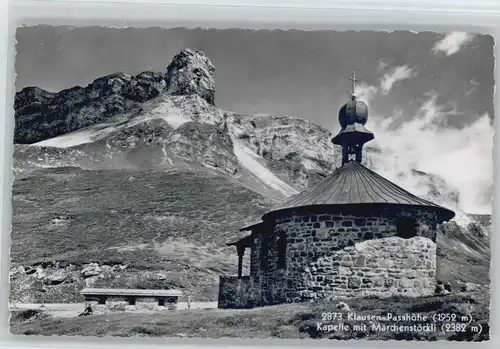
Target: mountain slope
[464,253]
[165,222]
[145,172]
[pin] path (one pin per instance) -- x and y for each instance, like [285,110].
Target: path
[73,309]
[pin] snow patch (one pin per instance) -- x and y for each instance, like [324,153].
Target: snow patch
[236,131]
[166,110]
[467,248]
[67,140]
[172,115]
[175,120]
[85,135]
[250,161]
[177,110]
[310,165]
[462,219]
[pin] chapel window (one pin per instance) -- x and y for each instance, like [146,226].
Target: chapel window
[406,228]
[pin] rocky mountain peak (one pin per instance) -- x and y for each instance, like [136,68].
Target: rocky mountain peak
[42,115]
[189,73]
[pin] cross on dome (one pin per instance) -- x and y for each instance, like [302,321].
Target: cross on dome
[354,80]
[353,135]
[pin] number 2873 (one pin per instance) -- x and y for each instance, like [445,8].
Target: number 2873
[331,316]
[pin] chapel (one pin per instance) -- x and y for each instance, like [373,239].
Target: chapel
[354,234]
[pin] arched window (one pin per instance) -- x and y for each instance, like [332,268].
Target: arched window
[406,227]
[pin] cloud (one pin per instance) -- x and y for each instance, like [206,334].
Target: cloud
[397,74]
[452,43]
[460,156]
[366,93]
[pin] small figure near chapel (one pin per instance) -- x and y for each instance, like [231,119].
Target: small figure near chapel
[87,311]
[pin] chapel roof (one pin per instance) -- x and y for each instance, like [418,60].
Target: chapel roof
[353,183]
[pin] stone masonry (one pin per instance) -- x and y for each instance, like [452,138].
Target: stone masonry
[382,267]
[343,253]
[239,292]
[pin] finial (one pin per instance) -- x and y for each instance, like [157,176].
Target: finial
[352,139]
[354,80]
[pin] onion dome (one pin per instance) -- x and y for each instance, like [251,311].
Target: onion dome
[353,135]
[354,111]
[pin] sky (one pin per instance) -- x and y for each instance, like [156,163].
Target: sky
[430,95]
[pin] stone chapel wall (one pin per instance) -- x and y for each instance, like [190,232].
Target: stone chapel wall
[321,256]
[237,292]
[255,253]
[381,267]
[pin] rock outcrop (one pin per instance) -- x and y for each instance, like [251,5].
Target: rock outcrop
[27,158]
[41,115]
[297,151]
[57,282]
[191,73]
[206,144]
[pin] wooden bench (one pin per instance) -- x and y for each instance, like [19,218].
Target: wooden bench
[100,295]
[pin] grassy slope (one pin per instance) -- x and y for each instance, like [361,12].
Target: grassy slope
[75,215]
[174,222]
[464,254]
[284,321]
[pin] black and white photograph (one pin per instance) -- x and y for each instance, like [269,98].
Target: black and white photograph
[243,183]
